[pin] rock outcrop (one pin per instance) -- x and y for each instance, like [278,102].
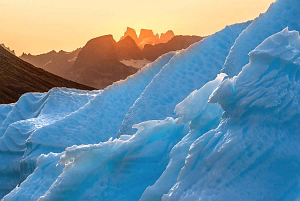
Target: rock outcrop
[103,61]
[165,37]
[128,50]
[147,37]
[98,63]
[152,52]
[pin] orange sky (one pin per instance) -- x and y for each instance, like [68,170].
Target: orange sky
[39,26]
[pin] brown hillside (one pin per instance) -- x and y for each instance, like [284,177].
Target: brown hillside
[18,77]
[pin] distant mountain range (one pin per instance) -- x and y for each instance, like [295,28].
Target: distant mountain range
[54,62]
[152,52]
[147,37]
[18,77]
[103,61]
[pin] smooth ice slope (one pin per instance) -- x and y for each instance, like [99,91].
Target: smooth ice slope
[283,13]
[33,111]
[187,71]
[254,154]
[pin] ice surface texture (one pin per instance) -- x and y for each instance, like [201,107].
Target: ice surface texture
[196,103]
[32,112]
[236,138]
[254,152]
[187,71]
[4,111]
[199,117]
[124,168]
[282,14]
[43,123]
[38,183]
[101,118]
[36,110]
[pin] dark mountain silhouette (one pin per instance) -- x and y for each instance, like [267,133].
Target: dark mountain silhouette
[54,62]
[132,33]
[147,37]
[103,61]
[146,33]
[127,50]
[98,65]
[152,52]
[18,77]
[165,37]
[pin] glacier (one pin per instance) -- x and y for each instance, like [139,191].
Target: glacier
[198,133]
[199,117]
[187,71]
[241,143]
[125,167]
[254,153]
[281,14]
[18,121]
[100,118]
[40,123]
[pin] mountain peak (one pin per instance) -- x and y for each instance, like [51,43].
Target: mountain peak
[101,39]
[98,62]
[146,33]
[165,37]
[132,33]
[103,47]
[128,49]
[147,36]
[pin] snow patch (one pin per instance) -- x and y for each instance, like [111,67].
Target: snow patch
[136,63]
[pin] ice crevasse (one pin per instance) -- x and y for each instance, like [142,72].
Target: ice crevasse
[250,152]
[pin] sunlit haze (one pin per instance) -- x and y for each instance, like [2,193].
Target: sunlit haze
[39,26]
